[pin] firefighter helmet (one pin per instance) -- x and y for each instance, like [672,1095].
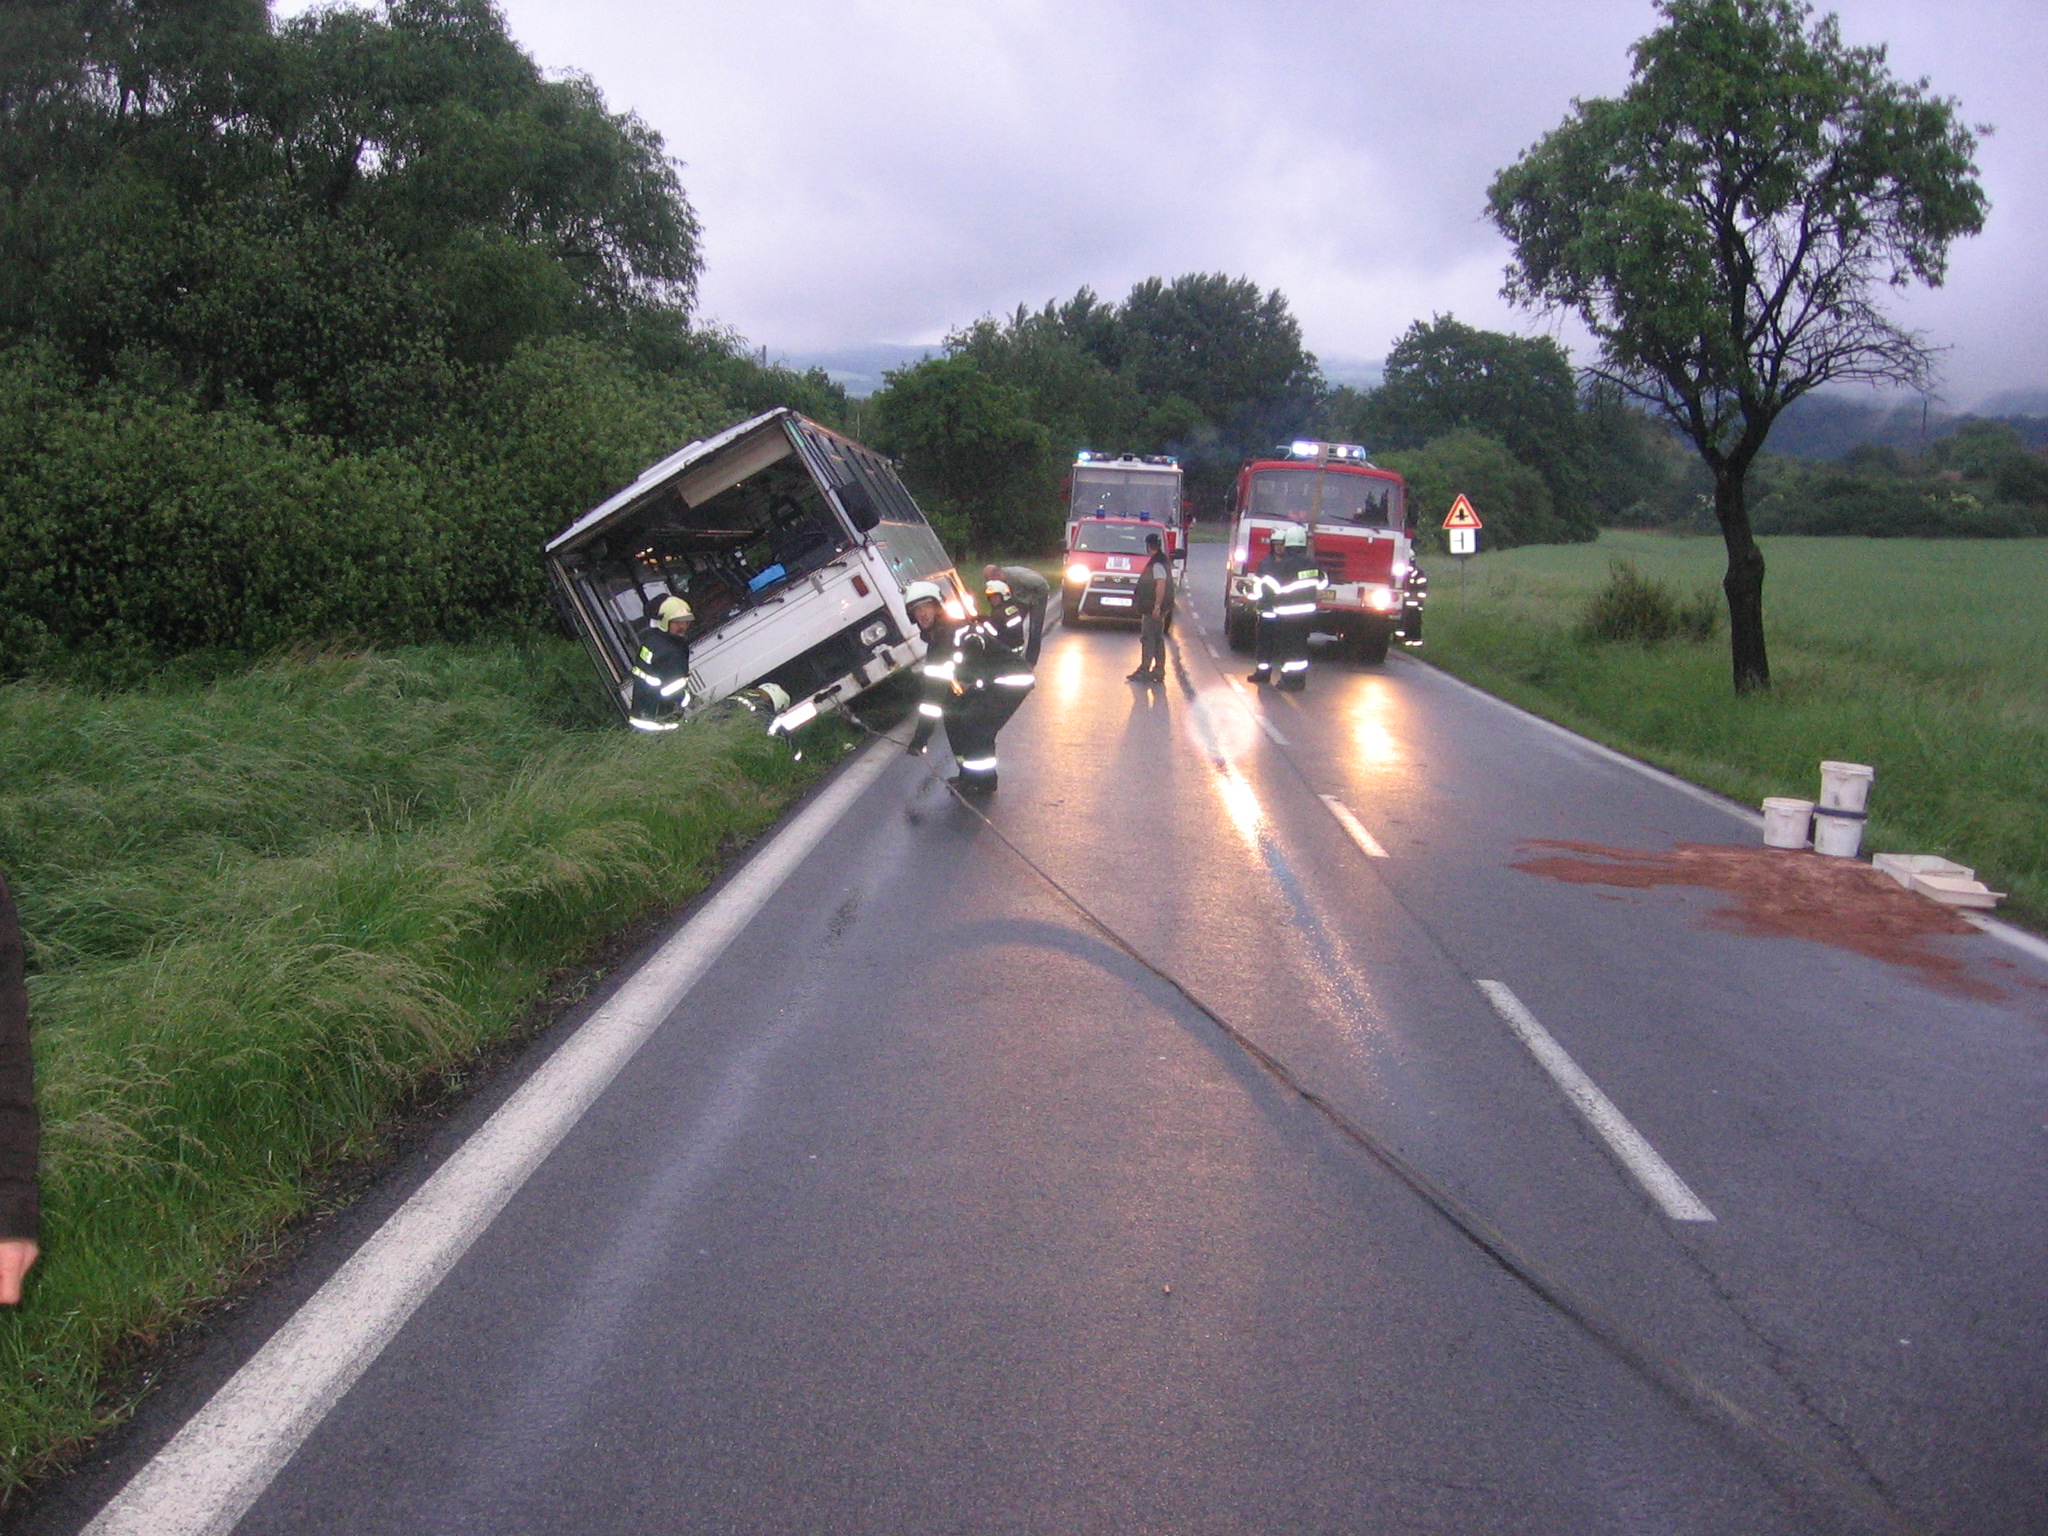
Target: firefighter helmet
[923,592]
[1294,537]
[671,609]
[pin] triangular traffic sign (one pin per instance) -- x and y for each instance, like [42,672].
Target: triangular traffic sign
[1462,515]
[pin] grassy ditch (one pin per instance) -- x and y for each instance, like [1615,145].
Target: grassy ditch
[1925,658]
[263,910]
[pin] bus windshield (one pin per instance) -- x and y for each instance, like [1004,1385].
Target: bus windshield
[1126,493]
[1358,501]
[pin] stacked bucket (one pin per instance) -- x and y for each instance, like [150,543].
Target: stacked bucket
[1836,818]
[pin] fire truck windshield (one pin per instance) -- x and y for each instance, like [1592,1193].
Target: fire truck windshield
[1361,501]
[1110,538]
[1126,493]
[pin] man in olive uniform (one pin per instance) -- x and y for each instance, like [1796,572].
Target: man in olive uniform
[661,668]
[20,1204]
[971,681]
[1155,603]
[1287,586]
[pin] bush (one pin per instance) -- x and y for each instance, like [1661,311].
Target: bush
[1641,608]
[1510,495]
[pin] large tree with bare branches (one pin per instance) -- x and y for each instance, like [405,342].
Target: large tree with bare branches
[1724,229]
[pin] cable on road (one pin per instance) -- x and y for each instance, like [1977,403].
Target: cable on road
[1677,1380]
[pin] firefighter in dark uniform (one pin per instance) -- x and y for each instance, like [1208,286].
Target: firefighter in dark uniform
[1287,587]
[1006,614]
[661,669]
[971,681]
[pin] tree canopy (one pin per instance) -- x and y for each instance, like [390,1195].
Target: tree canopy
[1203,366]
[325,217]
[1723,228]
[320,328]
[1444,377]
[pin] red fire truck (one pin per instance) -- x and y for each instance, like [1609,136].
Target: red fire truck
[1360,531]
[1113,501]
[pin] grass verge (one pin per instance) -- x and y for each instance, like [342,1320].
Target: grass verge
[264,909]
[1925,658]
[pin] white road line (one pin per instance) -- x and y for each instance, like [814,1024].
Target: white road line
[2026,943]
[1691,791]
[1656,1176]
[1270,729]
[219,1463]
[1354,826]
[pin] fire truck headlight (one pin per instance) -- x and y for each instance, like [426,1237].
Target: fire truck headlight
[1077,572]
[1383,599]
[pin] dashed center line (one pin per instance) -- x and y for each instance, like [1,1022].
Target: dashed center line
[1271,730]
[1659,1180]
[1351,824]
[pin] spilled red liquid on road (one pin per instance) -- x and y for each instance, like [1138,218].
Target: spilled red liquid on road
[1786,893]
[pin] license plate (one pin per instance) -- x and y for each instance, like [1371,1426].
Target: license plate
[1118,563]
[1116,602]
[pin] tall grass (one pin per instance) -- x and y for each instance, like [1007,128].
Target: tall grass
[263,910]
[1925,658]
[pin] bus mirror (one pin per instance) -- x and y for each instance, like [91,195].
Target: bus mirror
[860,507]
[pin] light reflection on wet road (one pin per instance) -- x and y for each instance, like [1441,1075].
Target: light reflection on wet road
[944,1217]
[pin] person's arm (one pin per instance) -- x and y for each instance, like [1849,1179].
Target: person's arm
[20,1202]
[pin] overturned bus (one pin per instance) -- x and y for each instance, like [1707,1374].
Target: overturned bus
[791,544]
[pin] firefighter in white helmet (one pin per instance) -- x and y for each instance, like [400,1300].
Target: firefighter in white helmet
[970,680]
[1287,584]
[661,668]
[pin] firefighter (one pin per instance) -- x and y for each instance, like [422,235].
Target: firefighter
[661,668]
[970,680]
[1030,592]
[1006,614]
[1287,584]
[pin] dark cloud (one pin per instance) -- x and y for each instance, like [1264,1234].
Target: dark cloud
[883,170]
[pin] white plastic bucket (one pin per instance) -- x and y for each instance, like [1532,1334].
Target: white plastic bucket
[1837,836]
[1845,786]
[1785,821]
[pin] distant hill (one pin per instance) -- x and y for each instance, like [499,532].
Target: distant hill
[859,370]
[1830,425]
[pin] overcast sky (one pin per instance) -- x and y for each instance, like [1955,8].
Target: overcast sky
[885,170]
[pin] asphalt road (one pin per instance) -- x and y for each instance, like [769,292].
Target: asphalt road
[928,1210]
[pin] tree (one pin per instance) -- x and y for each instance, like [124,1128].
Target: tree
[1721,229]
[1509,494]
[1219,343]
[1057,355]
[969,444]
[1444,377]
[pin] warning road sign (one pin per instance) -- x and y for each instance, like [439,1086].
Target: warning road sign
[1462,515]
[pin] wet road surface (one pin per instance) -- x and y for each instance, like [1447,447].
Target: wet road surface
[928,1210]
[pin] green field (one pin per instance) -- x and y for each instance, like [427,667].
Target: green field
[267,910]
[1927,659]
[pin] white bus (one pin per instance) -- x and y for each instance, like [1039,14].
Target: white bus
[791,543]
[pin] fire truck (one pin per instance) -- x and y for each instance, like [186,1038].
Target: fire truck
[1360,530]
[1113,501]
[792,543]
